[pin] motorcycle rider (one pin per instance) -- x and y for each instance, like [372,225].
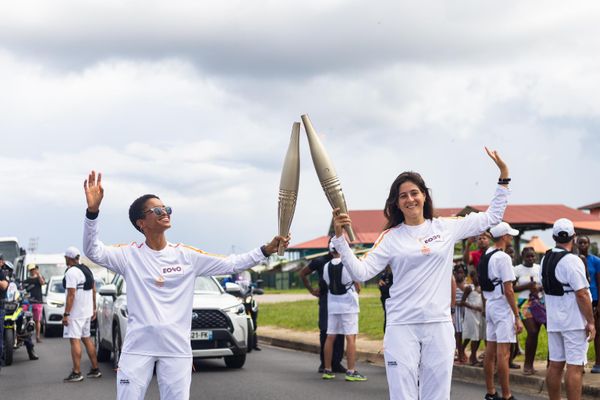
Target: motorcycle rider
[3,287]
[8,269]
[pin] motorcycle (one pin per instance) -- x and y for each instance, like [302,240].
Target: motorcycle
[18,324]
[246,293]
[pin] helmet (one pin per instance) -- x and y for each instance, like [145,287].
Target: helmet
[9,265]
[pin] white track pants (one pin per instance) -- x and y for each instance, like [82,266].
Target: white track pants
[418,360]
[174,375]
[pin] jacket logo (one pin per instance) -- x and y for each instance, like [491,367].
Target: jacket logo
[432,239]
[172,270]
[392,364]
[124,381]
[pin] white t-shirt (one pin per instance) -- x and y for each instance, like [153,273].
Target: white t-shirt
[343,303]
[523,275]
[160,313]
[83,304]
[500,267]
[562,312]
[421,261]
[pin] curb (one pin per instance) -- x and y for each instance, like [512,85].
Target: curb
[465,373]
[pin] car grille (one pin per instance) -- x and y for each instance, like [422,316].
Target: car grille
[210,344]
[210,319]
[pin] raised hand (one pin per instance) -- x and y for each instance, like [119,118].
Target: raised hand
[499,162]
[94,192]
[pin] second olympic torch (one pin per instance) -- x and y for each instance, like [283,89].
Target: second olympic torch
[326,173]
[288,186]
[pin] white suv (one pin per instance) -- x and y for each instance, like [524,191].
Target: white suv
[219,323]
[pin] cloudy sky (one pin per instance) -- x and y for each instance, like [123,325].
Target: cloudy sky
[194,101]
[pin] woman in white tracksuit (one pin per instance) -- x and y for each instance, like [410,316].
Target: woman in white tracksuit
[419,338]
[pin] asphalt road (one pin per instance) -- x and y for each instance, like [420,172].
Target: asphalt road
[268,375]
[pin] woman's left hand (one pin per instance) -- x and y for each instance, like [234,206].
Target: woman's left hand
[499,162]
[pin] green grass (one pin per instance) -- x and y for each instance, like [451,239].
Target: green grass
[304,316]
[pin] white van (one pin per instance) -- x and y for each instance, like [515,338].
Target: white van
[49,265]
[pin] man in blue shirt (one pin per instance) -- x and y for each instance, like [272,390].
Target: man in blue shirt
[593,266]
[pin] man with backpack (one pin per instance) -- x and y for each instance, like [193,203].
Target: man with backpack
[570,320]
[496,276]
[342,315]
[80,309]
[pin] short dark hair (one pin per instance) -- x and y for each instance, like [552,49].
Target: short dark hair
[562,237]
[392,212]
[136,209]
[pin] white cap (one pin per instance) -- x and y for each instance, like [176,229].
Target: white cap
[331,248]
[72,252]
[502,229]
[563,225]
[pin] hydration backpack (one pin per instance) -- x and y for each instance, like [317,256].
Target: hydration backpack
[553,286]
[89,278]
[485,282]
[336,286]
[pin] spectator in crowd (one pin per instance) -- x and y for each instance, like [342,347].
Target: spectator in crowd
[472,301]
[34,287]
[80,310]
[515,348]
[527,286]
[569,313]
[593,267]
[385,282]
[316,266]
[459,311]
[496,277]
[471,257]
[3,288]
[342,315]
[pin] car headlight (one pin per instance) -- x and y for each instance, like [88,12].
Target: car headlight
[56,304]
[236,309]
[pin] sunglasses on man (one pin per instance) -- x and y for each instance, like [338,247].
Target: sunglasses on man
[158,211]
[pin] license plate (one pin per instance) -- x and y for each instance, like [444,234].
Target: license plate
[201,335]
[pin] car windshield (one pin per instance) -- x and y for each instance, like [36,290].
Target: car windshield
[56,286]
[205,284]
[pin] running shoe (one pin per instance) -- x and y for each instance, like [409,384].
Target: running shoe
[327,374]
[73,377]
[94,373]
[492,396]
[595,369]
[355,377]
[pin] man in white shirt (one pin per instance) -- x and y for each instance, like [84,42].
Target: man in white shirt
[342,315]
[570,320]
[80,310]
[496,278]
[160,280]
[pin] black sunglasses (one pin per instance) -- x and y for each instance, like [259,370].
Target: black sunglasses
[158,211]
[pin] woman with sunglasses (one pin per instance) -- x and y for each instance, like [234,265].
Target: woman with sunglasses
[419,337]
[160,286]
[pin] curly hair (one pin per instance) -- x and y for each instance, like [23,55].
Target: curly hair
[136,209]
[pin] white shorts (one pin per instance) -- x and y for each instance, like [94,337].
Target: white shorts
[500,322]
[418,360]
[569,346]
[174,376]
[342,324]
[77,328]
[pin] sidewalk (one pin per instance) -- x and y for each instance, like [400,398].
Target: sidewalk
[372,351]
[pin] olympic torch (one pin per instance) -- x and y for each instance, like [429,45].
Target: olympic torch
[326,173]
[288,185]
